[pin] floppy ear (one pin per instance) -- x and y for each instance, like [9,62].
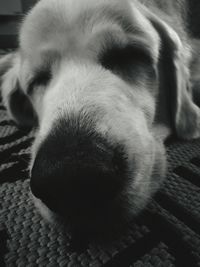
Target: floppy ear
[175,57]
[14,98]
[195,70]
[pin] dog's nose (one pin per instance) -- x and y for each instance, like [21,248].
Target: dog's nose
[75,174]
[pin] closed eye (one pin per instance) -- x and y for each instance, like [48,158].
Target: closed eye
[41,78]
[126,60]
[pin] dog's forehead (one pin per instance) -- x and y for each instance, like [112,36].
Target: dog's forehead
[58,26]
[66,18]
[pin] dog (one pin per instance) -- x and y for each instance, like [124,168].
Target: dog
[105,83]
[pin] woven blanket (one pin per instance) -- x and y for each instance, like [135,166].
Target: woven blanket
[166,234]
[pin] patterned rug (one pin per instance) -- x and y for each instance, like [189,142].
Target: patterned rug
[166,234]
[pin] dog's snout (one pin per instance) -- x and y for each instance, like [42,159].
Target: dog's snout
[75,176]
[74,186]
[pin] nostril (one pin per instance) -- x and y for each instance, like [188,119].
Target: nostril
[38,187]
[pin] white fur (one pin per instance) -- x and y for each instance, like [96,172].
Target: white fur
[67,36]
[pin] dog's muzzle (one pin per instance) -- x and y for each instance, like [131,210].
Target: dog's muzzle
[77,172]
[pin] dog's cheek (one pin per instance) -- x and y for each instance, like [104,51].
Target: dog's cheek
[159,168]
[144,186]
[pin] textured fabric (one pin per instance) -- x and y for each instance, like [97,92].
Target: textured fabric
[166,234]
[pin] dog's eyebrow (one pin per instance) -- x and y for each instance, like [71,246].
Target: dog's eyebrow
[115,15]
[112,14]
[41,77]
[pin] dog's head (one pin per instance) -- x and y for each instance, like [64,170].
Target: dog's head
[101,78]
